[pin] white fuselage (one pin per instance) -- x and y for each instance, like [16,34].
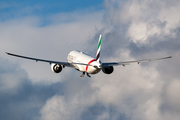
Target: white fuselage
[80,57]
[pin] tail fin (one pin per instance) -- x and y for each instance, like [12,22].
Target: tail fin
[98,49]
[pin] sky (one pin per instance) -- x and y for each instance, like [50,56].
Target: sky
[131,30]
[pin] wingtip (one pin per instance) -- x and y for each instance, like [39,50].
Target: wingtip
[8,53]
[174,56]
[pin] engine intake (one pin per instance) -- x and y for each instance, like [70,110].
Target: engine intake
[108,70]
[56,68]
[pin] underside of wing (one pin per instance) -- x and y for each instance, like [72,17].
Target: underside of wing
[129,62]
[48,61]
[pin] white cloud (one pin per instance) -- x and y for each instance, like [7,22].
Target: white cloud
[145,18]
[56,108]
[138,32]
[172,96]
[135,91]
[24,36]
[11,78]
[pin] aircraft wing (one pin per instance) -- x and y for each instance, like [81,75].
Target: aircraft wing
[48,61]
[128,62]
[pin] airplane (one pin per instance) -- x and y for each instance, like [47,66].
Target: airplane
[85,63]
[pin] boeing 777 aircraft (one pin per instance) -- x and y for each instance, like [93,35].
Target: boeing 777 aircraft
[85,63]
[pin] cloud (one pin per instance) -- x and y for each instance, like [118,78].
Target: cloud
[11,77]
[145,18]
[26,37]
[57,108]
[131,30]
[171,97]
[19,98]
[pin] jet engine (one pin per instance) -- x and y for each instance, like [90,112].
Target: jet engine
[108,70]
[56,68]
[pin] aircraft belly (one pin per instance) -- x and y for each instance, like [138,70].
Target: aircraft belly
[92,70]
[81,68]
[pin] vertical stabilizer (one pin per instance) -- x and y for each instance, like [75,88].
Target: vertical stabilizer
[98,49]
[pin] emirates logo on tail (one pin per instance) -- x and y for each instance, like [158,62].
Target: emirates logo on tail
[98,49]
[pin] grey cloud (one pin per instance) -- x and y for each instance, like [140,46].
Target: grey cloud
[130,93]
[112,41]
[170,99]
[100,112]
[23,100]
[156,44]
[11,77]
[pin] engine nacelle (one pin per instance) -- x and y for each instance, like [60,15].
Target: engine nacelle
[108,70]
[56,68]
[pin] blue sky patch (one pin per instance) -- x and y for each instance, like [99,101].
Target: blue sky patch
[43,8]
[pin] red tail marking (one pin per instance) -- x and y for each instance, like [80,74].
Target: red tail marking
[90,63]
